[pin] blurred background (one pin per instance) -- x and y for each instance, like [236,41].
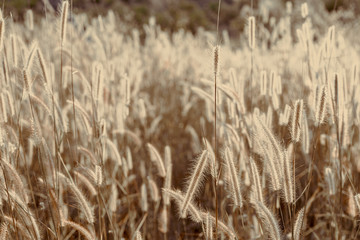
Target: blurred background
[172,15]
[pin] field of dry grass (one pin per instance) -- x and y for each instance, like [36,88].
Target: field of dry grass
[109,132]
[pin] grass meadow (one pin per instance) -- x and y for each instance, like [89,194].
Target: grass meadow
[111,132]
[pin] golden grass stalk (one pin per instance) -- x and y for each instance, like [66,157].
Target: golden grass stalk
[156,159]
[233,178]
[257,189]
[252,32]
[351,208]
[85,181]
[179,198]
[263,83]
[357,201]
[3,231]
[269,222]
[63,19]
[329,177]
[98,175]
[288,188]
[296,121]
[138,235]
[320,110]
[84,205]
[194,182]
[164,220]
[89,154]
[15,177]
[272,151]
[304,10]
[86,233]
[144,200]
[208,228]
[298,224]
[154,191]
[168,178]
[2,32]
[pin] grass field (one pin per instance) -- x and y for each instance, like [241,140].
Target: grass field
[111,132]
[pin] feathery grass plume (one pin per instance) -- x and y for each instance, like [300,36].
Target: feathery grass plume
[304,10]
[354,76]
[168,178]
[275,101]
[89,154]
[142,110]
[84,205]
[288,188]
[26,79]
[194,182]
[143,200]
[179,198]
[63,19]
[2,31]
[298,224]
[167,155]
[357,201]
[208,227]
[213,164]
[220,224]
[320,108]
[129,158]
[269,116]
[257,189]
[273,153]
[98,175]
[269,222]
[351,208]
[86,182]
[3,231]
[29,16]
[289,7]
[96,79]
[113,198]
[278,85]
[330,40]
[13,45]
[30,57]
[86,233]
[271,83]
[251,32]
[16,225]
[36,133]
[114,151]
[3,107]
[334,91]
[164,220]
[138,235]
[55,209]
[233,178]
[296,121]
[35,227]
[25,213]
[344,126]
[37,100]
[216,57]
[13,174]
[287,113]
[305,138]
[154,191]
[329,177]
[156,159]
[43,66]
